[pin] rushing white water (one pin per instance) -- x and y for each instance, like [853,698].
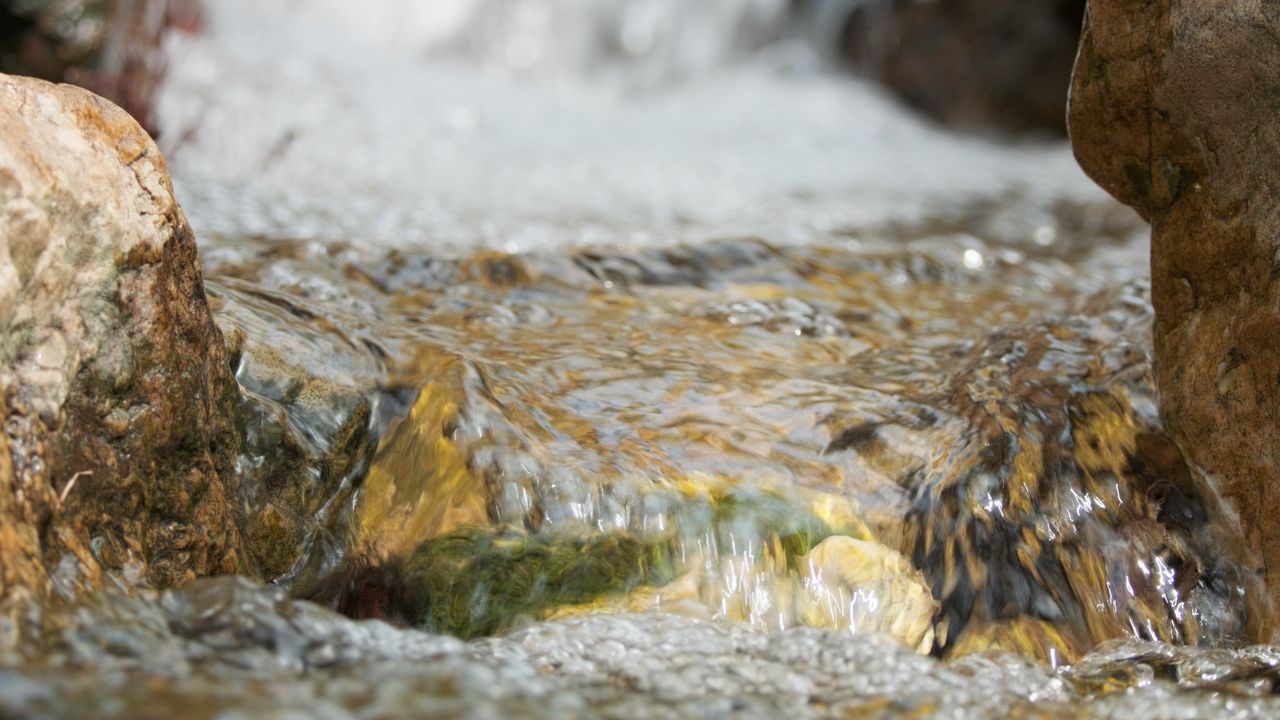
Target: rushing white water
[545,123]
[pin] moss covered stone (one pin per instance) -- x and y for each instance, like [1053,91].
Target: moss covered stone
[476,581]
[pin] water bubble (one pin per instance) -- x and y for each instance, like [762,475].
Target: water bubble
[1044,236]
[973,259]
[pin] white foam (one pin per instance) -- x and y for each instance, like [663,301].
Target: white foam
[287,118]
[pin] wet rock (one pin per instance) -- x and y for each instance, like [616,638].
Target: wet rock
[473,582]
[842,584]
[866,587]
[1172,111]
[307,410]
[305,341]
[111,47]
[971,63]
[118,446]
[223,648]
[1064,516]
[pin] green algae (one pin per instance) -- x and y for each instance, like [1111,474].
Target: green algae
[477,581]
[776,519]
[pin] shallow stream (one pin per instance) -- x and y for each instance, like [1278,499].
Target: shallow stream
[644,365]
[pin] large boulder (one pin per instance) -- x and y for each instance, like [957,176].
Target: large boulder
[116,400]
[1173,110]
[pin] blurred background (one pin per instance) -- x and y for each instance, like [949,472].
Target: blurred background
[520,124]
[970,63]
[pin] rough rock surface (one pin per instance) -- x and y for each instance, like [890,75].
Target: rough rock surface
[222,648]
[971,63]
[118,446]
[1173,110]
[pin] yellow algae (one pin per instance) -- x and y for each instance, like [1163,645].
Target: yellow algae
[1106,435]
[419,485]
[1038,640]
[840,512]
[1024,484]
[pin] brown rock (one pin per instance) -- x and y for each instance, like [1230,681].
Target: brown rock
[112,47]
[1173,110]
[118,445]
[971,63]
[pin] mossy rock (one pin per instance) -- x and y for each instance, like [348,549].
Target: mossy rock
[476,581]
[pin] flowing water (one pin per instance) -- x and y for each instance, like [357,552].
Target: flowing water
[624,360]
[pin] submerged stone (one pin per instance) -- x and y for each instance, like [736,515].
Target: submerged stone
[867,588]
[310,396]
[1013,453]
[474,582]
[1065,517]
[843,584]
[479,580]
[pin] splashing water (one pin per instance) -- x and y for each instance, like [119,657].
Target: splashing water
[382,148]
